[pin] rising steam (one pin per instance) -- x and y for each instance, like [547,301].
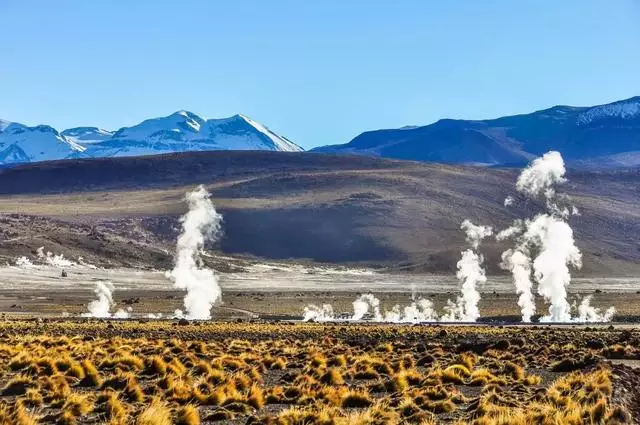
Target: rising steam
[363,304]
[519,264]
[24,263]
[587,313]
[318,314]
[101,306]
[544,246]
[199,224]
[470,273]
[420,310]
[541,176]
[57,260]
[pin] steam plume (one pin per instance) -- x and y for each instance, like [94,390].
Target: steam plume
[101,306]
[470,273]
[199,224]
[363,304]
[519,263]
[319,314]
[475,234]
[419,311]
[541,176]
[24,263]
[587,313]
[54,260]
[551,267]
[549,235]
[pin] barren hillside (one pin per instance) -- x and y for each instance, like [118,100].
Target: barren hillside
[299,206]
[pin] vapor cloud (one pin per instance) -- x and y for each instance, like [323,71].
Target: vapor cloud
[199,224]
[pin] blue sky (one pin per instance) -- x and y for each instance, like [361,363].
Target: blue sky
[318,72]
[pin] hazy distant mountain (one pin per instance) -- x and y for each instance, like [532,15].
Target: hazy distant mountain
[605,135]
[179,132]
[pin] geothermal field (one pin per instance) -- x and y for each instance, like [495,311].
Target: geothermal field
[514,334]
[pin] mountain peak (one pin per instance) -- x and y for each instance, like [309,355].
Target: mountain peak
[187,114]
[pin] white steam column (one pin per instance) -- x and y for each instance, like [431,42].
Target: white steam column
[470,273]
[545,245]
[199,224]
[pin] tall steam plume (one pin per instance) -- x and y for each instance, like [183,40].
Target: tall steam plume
[470,273]
[544,245]
[199,224]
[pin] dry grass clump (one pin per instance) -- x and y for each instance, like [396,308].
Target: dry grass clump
[187,415]
[78,404]
[18,385]
[157,413]
[355,399]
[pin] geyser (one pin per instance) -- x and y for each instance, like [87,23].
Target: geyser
[318,314]
[470,273]
[199,224]
[101,306]
[543,253]
[57,260]
[420,310]
[544,245]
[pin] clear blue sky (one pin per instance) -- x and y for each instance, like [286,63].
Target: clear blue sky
[318,72]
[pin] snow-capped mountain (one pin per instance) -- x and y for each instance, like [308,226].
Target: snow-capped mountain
[20,143]
[186,131]
[600,136]
[178,132]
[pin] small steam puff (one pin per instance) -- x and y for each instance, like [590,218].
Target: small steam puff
[420,310]
[50,259]
[319,314]
[199,224]
[586,313]
[54,260]
[101,306]
[24,263]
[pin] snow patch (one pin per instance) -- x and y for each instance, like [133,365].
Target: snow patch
[623,110]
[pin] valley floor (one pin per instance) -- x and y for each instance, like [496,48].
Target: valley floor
[277,291]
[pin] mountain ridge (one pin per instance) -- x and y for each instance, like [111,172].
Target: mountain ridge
[581,133]
[181,131]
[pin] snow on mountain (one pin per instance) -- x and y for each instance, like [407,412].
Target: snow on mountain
[178,126]
[4,124]
[86,135]
[20,143]
[282,143]
[178,132]
[186,131]
[625,109]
